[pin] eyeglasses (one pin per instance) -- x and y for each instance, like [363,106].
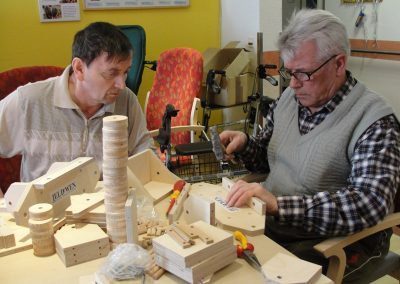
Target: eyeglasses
[301,76]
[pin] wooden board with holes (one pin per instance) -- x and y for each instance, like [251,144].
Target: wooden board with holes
[56,187]
[166,247]
[244,219]
[283,268]
[80,243]
[83,203]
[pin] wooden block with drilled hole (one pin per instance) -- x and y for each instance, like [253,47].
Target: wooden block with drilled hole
[282,268]
[80,243]
[83,203]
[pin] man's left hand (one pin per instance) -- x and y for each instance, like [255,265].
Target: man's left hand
[242,191]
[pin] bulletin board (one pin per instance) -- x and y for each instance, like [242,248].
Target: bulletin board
[133,4]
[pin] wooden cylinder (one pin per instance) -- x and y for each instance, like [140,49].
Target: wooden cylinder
[41,229]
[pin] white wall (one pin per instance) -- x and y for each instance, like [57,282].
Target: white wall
[379,75]
[382,76]
[388,20]
[239,21]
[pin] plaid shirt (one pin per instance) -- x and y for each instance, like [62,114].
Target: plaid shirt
[371,186]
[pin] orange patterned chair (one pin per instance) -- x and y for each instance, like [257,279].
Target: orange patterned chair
[177,82]
[9,81]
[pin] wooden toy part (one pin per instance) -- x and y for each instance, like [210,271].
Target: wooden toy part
[146,172]
[196,208]
[131,218]
[83,203]
[80,243]
[23,240]
[7,237]
[194,232]
[282,268]
[79,176]
[166,247]
[177,208]
[244,219]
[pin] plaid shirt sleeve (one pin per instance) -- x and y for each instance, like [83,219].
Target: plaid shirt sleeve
[254,156]
[366,199]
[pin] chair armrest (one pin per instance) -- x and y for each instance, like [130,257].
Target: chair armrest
[334,248]
[179,128]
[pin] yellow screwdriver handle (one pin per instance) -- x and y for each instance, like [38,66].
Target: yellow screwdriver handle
[241,238]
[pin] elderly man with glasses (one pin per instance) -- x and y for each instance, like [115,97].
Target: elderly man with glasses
[330,146]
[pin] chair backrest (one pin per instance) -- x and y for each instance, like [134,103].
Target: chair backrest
[9,81]
[178,82]
[137,38]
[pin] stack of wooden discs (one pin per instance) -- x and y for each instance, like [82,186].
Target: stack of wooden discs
[41,229]
[115,178]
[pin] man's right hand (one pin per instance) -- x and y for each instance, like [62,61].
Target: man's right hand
[234,141]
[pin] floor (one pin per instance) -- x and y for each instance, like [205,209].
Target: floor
[394,246]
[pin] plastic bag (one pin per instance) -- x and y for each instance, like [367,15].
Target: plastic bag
[126,261]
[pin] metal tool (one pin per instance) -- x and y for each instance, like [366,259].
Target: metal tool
[245,250]
[218,148]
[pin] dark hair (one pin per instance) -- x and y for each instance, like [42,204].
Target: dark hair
[100,37]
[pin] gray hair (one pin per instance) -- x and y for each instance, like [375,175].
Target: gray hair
[327,30]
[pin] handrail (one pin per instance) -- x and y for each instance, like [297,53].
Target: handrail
[387,52]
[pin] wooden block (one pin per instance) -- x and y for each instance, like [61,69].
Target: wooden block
[131,218]
[83,203]
[282,268]
[244,219]
[194,232]
[55,187]
[166,247]
[7,237]
[179,239]
[41,211]
[256,203]
[201,269]
[21,236]
[196,208]
[80,243]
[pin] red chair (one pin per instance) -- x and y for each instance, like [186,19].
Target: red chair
[9,81]
[177,82]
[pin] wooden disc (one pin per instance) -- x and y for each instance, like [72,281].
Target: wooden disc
[115,121]
[41,211]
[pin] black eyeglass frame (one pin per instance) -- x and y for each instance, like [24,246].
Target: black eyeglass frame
[287,75]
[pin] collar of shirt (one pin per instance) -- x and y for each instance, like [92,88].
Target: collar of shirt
[308,120]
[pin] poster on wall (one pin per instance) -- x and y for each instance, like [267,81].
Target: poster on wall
[59,10]
[132,4]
